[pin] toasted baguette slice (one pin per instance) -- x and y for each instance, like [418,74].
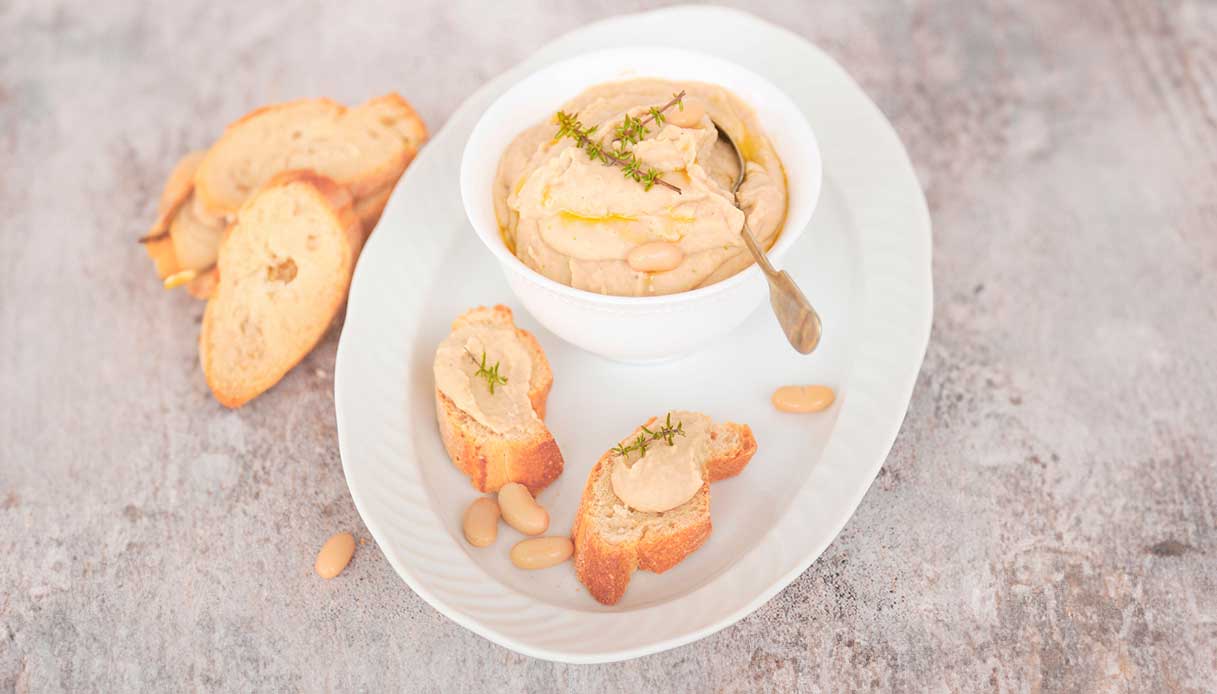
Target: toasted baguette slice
[178,239]
[176,193]
[612,540]
[370,207]
[196,242]
[284,270]
[179,185]
[160,249]
[363,148]
[490,459]
[204,286]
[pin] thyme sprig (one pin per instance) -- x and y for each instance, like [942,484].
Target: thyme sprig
[490,373]
[569,126]
[629,132]
[666,433]
[633,129]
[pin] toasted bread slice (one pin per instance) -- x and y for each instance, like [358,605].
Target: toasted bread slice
[160,249]
[204,286]
[364,149]
[179,185]
[196,242]
[176,193]
[370,207]
[284,269]
[528,453]
[179,239]
[612,540]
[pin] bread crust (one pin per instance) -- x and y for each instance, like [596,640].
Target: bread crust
[370,208]
[605,567]
[658,553]
[204,286]
[413,132]
[490,460]
[721,469]
[339,202]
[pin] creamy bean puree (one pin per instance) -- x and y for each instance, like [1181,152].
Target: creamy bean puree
[505,411]
[576,220]
[665,477]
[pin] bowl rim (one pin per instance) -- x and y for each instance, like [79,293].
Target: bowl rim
[786,238]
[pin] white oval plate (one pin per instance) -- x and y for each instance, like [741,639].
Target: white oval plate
[865,263]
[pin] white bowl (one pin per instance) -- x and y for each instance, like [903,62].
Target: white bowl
[637,329]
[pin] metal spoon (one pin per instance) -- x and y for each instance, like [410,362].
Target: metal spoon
[798,319]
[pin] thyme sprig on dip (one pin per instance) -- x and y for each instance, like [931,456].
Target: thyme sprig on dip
[632,129]
[666,433]
[629,132]
[490,373]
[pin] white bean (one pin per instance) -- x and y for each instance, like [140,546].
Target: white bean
[541,552]
[803,398]
[656,256]
[521,511]
[334,556]
[481,522]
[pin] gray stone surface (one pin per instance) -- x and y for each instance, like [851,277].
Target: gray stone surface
[1045,522]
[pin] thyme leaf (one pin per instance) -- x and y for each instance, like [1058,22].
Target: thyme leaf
[666,433]
[490,373]
[631,131]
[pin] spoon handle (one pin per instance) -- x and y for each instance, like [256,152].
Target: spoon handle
[758,253]
[795,314]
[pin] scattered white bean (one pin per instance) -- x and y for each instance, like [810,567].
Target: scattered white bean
[334,556]
[521,511]
[481,522]
[803,398]
[541,552]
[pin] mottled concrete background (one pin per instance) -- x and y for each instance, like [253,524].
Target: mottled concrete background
[1045,521]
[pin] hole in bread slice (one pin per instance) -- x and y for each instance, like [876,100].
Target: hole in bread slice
[283,271]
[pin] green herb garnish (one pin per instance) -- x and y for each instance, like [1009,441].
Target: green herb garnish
[629,132]
[490,373]
[666,433]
